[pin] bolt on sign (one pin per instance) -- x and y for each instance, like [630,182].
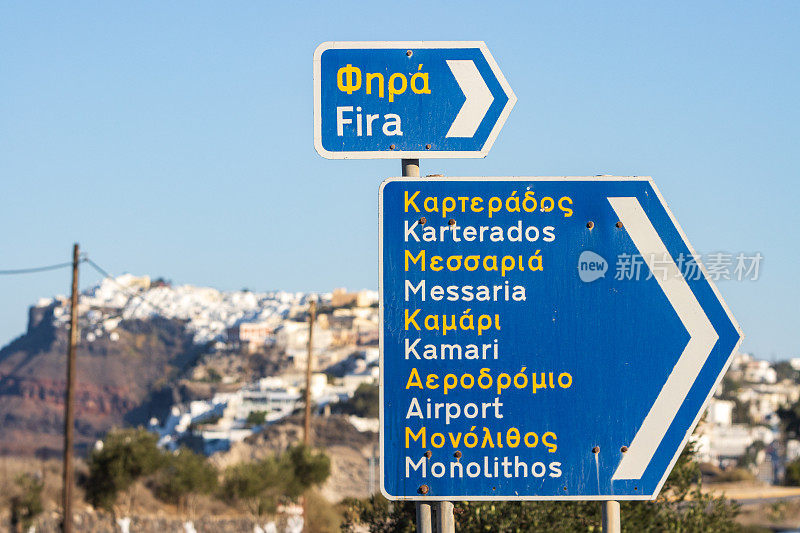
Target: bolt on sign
[407,99]
[519,359]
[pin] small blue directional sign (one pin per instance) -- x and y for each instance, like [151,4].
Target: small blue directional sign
[409,99]
[542,338]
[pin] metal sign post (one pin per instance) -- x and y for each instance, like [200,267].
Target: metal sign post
[541,339]
[410,168]
[611,517]
[424,517]
[445,519]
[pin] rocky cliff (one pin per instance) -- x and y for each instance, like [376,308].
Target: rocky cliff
[124,378]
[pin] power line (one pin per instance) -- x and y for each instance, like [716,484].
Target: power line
[34,270]
[122,287]
[83,259]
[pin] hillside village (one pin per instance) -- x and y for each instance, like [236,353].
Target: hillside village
[741,428]
[234,326]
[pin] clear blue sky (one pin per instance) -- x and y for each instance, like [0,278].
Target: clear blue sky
[175,139]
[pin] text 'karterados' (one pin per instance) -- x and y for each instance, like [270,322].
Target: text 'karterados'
[519,232]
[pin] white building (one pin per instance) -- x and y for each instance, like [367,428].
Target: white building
[341,297]
[720,412]
[726,444]
[760,372]
[764,400]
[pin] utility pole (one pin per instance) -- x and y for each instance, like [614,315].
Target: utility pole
[312,315]
[69,403]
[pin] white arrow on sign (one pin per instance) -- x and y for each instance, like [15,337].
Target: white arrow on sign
[479,98]
[702,338]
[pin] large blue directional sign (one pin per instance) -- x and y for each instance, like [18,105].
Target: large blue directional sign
[542,338]
[411,99]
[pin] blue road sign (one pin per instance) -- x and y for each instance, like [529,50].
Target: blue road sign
[542,338]
[412,99]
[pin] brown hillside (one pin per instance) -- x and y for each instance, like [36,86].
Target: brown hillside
[127,380]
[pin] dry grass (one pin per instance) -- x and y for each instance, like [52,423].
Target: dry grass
[137,501]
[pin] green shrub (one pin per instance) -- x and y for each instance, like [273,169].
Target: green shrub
[256,418]
[125,456]
[26,503]
[792,477]
[185,473]
[261,485]
[307,468]
[254,486]
[364,403]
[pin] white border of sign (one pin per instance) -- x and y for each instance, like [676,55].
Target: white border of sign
[406,154]
[441,497]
